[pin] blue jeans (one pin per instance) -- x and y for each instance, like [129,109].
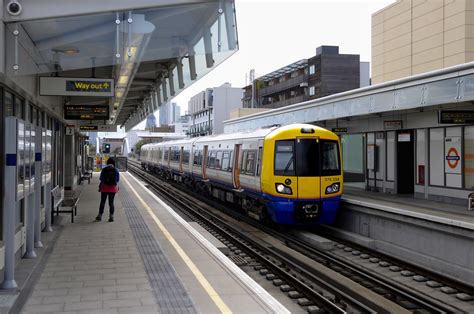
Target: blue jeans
[103,198]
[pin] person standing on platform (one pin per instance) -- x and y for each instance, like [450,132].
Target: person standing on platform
[108,186]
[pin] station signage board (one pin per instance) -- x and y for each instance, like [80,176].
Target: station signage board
[98,128]
[456,116]
[70,86]
[392,124]
[453,157]
[339,130]
[86,112]
[88,128]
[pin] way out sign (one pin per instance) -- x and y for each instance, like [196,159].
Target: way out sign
[70,86]
[452,151]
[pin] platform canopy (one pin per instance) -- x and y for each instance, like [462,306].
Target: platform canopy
[151,49]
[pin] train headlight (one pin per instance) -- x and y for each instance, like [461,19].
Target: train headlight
[283,189]
[333,188]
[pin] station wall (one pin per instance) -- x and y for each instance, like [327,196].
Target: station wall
[437,161]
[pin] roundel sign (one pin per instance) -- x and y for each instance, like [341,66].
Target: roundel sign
[452,148]
[453,158]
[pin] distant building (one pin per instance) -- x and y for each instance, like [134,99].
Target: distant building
[327,73]
[182,125]
[413,37]
[150,122]
[211,107]
[169,113]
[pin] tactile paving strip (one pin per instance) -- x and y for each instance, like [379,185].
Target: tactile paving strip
[167,287]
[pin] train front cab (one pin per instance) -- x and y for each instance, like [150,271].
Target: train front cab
[301,175]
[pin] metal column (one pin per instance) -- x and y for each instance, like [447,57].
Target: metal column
[39,180]
[9,207]
[29,192]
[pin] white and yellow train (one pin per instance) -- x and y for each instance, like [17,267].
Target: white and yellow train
[290,174]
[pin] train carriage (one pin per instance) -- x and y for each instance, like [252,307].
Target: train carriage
[290,174]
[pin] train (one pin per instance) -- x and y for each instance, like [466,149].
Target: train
[290,175]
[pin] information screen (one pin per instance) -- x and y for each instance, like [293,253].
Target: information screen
[83,112]
[456,116]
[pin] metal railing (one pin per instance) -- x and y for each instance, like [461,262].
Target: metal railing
[292,82]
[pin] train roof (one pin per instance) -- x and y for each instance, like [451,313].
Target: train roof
[259,133]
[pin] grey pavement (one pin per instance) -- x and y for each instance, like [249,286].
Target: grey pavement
[94,267]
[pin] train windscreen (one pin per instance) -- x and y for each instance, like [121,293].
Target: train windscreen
[330,165]
[284,158]
[307,157]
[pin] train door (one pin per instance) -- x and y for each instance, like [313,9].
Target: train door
[204,162]
[236,167]
[181,160]
[169,157]
[308,168]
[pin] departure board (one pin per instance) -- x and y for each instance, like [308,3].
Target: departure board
[85,112]
[456,116]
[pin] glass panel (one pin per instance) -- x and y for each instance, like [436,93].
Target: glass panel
[284,158]
[330,165]
[249,163]
[226,161]
[391,155]
[469,157]
[219,160]
[212,160]
[19,108]
[307,157]
[437,157]
[353,153]
[420,156]
[8,104]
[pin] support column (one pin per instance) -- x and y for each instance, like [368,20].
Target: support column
[47,135]
[39,180]
[9,205]
[70,178]
[30,205]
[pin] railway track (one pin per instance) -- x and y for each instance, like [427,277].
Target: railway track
[311,276]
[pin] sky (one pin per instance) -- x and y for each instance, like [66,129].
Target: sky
[273,34]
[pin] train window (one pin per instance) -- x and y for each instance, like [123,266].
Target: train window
[259,161]
[248,162]
[212,160]
[330,158]
[307,157]
[219,160]
[196,159]
[226,161]
[284,158]
[186,156]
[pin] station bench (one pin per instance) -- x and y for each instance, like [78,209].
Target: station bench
[87,175]
[64,204]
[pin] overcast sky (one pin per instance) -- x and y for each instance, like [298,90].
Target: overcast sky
[273,34]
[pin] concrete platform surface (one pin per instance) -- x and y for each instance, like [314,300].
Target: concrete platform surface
[148,260]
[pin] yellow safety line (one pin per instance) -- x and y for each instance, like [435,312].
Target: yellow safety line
[196,272]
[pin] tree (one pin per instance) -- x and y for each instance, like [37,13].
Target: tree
[139,145]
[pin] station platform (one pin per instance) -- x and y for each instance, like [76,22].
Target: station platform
[148,260]
[407,205]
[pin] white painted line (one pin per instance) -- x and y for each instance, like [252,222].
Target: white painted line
[415,214]
[254,287]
